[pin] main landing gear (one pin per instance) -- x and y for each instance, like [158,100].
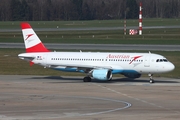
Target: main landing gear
[151,78]
[87,79]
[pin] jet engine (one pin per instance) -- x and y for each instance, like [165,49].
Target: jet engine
[102,74]
[132,75]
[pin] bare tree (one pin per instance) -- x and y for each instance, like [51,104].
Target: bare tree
[86,9]
[5,12]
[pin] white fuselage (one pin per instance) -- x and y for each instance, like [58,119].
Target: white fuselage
[117,62]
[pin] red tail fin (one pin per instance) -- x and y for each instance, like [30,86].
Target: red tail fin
[31,40]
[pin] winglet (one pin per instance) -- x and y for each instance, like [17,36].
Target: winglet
[31,40]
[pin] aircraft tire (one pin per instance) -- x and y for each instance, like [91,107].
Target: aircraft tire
[151,81]
[87,79]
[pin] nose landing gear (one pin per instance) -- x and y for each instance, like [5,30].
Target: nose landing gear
[151,80]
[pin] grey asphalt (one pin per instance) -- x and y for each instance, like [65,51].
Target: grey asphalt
[56,46]
[25,97]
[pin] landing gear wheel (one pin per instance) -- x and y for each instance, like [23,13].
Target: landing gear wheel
[87,79]
[151,81]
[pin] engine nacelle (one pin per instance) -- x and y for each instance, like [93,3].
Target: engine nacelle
[102,74]
[132,75]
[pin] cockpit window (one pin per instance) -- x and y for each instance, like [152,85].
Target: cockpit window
[161,60]
[165,60]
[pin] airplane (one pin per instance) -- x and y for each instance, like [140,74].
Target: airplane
[96,65]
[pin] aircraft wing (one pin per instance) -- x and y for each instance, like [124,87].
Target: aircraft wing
[85,68]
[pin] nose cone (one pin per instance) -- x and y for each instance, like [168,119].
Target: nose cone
[170,67]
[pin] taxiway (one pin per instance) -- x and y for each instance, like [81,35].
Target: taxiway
[68,98]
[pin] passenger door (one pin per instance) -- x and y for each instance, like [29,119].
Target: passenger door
[147,60]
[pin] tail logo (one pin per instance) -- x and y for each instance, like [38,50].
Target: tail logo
[31,40]
[28,36]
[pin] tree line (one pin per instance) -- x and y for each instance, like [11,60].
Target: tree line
[45,10]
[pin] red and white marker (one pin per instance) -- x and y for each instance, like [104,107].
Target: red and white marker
[133,32]
[140,19]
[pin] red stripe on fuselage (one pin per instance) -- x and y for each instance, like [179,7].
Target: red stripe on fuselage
[37,48]
[135,58]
